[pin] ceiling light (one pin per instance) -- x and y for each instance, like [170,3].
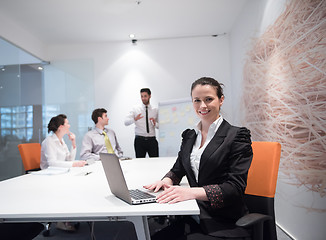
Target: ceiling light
[132,35]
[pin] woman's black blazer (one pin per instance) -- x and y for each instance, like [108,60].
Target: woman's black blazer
[223,173]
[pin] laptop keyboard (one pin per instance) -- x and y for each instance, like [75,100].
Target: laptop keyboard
[137,194]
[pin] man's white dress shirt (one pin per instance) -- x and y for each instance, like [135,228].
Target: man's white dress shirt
[140,125]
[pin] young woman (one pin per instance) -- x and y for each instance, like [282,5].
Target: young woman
[55,152]
[215,158]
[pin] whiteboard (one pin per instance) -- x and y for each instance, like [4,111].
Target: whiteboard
[175,116]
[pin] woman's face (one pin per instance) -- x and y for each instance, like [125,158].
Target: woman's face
[65,127]
[206,102]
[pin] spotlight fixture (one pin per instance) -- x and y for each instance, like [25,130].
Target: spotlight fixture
[134,41]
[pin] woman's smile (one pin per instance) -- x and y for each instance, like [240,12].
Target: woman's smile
[204,112]
[206,103]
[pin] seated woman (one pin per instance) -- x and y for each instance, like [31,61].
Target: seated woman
[215,158]
[54,152]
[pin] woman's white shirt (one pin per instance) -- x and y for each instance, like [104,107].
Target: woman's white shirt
[56,154]
[197,151]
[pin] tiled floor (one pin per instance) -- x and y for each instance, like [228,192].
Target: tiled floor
[108,231]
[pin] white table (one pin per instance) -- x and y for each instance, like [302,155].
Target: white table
[74,196]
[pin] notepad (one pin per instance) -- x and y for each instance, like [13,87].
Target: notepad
[51,171]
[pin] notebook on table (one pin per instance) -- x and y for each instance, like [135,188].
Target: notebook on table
[117,182]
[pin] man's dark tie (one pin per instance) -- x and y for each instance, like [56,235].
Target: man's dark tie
[147,127]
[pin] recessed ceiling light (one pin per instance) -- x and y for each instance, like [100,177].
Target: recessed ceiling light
[132,35]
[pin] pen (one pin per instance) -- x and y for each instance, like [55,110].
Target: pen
[87,173]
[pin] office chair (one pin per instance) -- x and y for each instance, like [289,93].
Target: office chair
[260,191]
[31,156]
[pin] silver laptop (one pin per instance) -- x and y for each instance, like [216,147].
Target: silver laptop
[117,182]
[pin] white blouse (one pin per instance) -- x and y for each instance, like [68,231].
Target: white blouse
[56,154]
[197,151]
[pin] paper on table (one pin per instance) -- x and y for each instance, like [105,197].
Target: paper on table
[51,171]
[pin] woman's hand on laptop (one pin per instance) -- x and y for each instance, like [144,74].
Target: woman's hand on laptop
[161,184]
[174,194]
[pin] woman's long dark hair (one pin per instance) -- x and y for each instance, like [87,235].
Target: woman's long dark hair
[55,122]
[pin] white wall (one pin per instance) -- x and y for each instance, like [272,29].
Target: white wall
[253,20]
[244,29]
[167,67]
[19,36]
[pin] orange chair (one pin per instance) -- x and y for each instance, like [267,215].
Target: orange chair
[31,156]
[260,191]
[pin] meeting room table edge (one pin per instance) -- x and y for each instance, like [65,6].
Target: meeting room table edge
[82,194]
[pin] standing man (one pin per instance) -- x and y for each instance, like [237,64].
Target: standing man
[145,118]
[100,139]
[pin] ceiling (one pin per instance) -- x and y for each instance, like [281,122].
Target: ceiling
[91,21]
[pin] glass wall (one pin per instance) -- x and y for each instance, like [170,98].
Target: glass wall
[68,88]
[31,93]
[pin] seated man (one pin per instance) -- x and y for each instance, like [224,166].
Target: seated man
[100,139]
